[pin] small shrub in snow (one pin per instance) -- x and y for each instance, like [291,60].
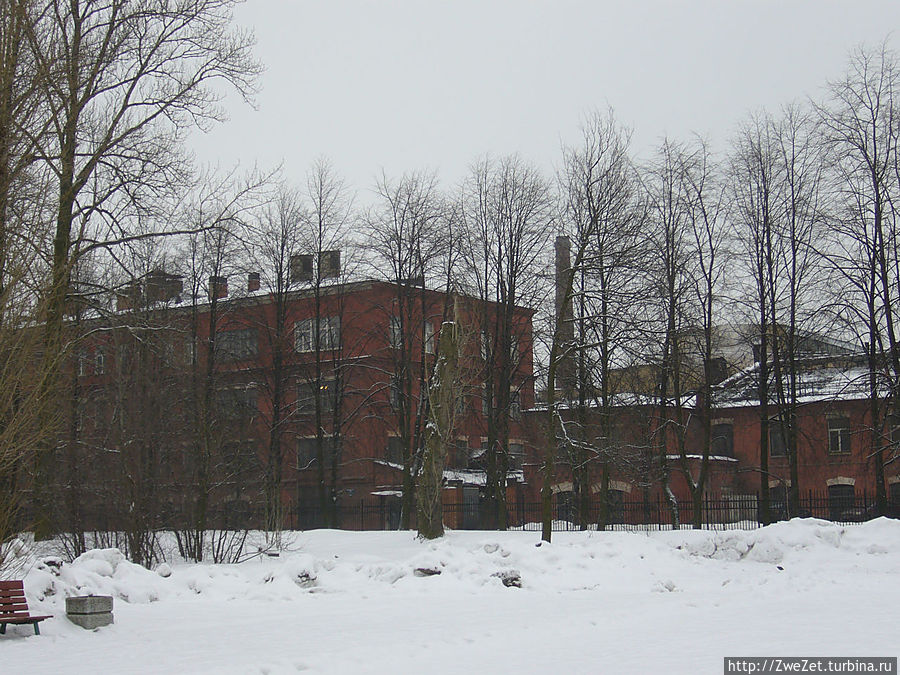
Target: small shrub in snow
[305,579]
[667,586]
[509,578]
[426,571]
[164,570]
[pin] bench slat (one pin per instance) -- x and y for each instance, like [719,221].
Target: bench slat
[12,593]
[13,609]
[7,585]
[24,619]
[12,600]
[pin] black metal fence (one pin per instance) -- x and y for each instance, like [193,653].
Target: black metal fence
[734,512]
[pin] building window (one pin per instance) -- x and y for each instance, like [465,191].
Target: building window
[237,403]
[839,436]
[82,364]
[329,334]
[99,362]
[722,441]
[396,333]
[308,392]
[236,345]
[893,422]
[189,351]
[514,350]
[777,445]
[461,402]
[515,404]
[394,393]
[429,337]
[841,500]
[485,345]
[239,457]
[308,451]
[395,450]
[516,456]
[458,457]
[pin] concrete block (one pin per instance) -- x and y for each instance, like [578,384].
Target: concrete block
[91,621]
[89,604]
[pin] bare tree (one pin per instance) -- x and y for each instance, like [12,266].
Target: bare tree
[211,254]
[121,83]
[274,237]
[324,236]
[670,282]
[755,180]
[406,235]
[603,221]
[28,419]
[705,195]
[508,210]
[861,133]
[444,392]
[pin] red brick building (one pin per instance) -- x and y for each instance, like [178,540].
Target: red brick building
[836,439]
[167,388]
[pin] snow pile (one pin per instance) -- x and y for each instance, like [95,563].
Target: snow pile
[789,540]
[482,601]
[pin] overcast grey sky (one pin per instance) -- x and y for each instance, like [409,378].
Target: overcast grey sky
[403,85]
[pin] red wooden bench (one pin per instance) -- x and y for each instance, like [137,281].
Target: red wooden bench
[14,607]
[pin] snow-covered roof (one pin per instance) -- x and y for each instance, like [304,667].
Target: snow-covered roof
[819,379]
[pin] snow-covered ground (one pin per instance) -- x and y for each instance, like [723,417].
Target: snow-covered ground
[353,602]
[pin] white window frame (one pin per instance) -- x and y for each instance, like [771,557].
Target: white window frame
[429,338]
[329,334]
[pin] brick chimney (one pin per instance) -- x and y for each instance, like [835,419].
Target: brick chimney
[566,329]
[218,287]
[129,297]
[252,282]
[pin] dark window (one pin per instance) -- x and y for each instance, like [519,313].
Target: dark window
[99,362]
[394,394]
[458,457]
[777,445]
[460,405]
[308,392]
[839,436]
[83,363]
[516,456]
[722,444]
[894,429]
[189,351]
[395,450]
[308,450]
[396,333]
[236,345]
[237,403]
[239,458]
[841,502]
[515,404]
